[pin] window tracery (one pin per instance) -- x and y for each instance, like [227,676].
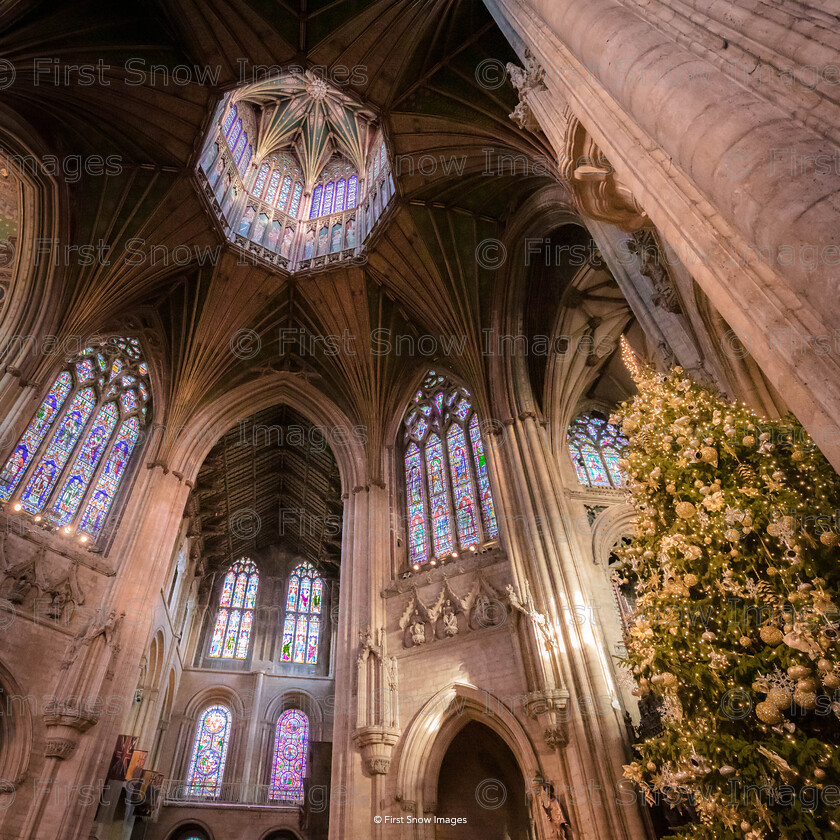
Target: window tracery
[67,467]
[288,765]
[302,625]
[210,745]
[448,495]
[595,447]
[235,617]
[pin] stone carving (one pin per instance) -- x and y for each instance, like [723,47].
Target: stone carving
[598,191]
[526,80]
[557,826]
[377,729]
[525,605]
[549,707]
[451,614]
[645,245]
[26,575]
[449,620]
[64,593]
[592,512]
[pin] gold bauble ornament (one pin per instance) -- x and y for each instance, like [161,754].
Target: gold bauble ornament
[685,510]
[780,698]
[709,455]
[771,636]
[726,770]
[690,580]
[748,440]
[797,455]
[773,529]
[772,570]
[745,826]
[798,672]
[745,641]
[825,665]
[806,684]
[805,699]
[819,773]
[768,713]
[831,681]
[829,538]
[732,535]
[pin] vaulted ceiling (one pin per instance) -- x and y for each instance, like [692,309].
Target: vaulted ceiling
[141,82]
[271,480]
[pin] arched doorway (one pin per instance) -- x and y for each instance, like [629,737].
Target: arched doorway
[480,781]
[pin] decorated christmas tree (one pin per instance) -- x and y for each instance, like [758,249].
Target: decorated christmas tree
[736,565]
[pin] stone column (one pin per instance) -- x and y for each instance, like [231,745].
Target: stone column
[570,687]
[709,161]
[143,546]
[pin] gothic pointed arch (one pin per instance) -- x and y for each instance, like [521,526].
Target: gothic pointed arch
[234,623]
[67,467]
[302,621]
[448,497]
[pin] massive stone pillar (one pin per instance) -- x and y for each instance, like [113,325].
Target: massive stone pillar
[365,729]
[571,694]
[102,663]
[737,176]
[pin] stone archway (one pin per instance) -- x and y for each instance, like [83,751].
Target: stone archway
[480,781]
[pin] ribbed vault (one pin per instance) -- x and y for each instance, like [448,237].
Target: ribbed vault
[461,166]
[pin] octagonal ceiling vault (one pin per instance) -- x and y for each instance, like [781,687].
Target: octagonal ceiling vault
[302,111]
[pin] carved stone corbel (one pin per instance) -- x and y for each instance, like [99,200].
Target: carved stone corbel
[652,264]
[376,743]
[527,80]
[377,722]
[599,192]
[549,707]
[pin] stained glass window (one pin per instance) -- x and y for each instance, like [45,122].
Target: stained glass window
[288,765]
[235,618]
[595,447]
[207,764]
[233,137]
[272,186]
[259,184]
[296,194]
[352,190]
[68,464]
[228,123]
[339,195]
[34,435]
[448,498]
[328,199]
[315,210]
[284,193]
[302,625]
[246,159]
